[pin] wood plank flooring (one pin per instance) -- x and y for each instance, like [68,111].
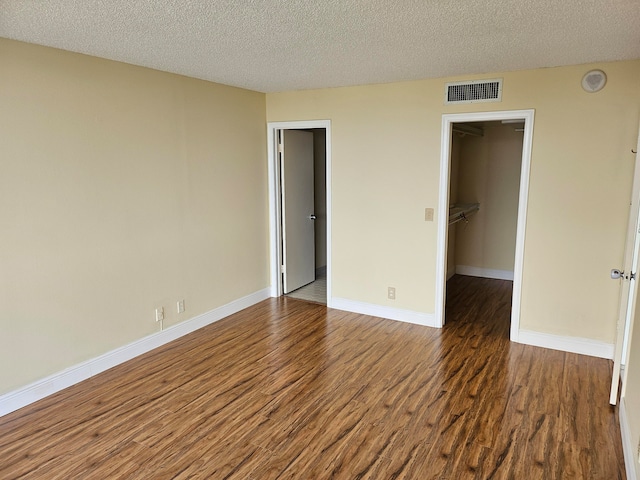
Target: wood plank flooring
[292,390]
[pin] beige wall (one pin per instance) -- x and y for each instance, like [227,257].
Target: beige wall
[385,167]
[122,189]
[489,174]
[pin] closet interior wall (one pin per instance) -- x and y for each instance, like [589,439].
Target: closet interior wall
[456,145]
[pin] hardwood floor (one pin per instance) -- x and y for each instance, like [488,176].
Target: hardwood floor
[289,389]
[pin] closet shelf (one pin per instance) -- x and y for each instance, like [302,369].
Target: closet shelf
[462,211]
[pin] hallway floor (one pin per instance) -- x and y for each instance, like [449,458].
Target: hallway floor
[314,292]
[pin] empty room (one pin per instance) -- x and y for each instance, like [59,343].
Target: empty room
[456,184]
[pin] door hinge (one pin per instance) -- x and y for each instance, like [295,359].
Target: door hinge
[280,148]
[282,269]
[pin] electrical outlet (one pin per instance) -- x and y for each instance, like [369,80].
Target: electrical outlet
[180,306]
[159,314]
[391,293]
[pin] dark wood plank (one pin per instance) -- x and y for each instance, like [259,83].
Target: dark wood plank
[289,389]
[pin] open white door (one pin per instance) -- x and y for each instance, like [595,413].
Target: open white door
[628,295]
[298,238]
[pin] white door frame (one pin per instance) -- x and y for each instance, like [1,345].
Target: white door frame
[275,234]
[443,209]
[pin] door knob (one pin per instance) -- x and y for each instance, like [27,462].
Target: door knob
[312,217]
[616,274]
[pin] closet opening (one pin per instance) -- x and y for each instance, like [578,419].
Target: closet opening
[484,184]
[482,218]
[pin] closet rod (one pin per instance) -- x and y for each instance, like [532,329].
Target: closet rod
[464,129]
[458,213]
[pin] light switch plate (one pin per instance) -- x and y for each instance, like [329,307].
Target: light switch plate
[428,214]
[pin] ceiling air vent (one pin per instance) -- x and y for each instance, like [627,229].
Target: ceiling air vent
[473,92]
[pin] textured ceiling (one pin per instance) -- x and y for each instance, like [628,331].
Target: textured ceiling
[279,45]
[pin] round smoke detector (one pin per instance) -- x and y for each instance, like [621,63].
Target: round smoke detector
[594,81]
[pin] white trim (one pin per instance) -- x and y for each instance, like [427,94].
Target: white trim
[274,200]
[274,217]
[443,205]
[484,272]
[583,346]
[627,445]
[40,389]
[408,316]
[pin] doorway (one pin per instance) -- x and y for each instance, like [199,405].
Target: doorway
[466,205]
[484,182]
[316,284]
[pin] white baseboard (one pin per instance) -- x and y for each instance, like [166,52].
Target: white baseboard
[484,272]
[627,446]
[409,316]
[24,396]
[583,346]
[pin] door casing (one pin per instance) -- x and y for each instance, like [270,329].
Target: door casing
[445,165]
[275,233]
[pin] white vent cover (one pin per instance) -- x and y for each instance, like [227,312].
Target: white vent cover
[473,92]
